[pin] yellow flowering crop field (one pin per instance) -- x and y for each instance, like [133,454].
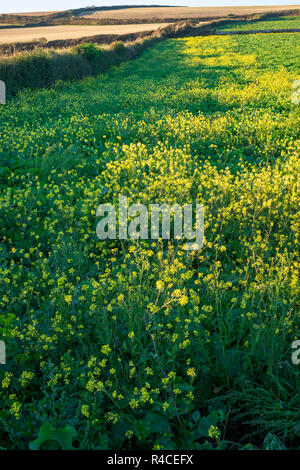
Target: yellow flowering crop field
[141,344]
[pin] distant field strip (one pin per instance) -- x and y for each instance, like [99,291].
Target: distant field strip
[36,13]
[257,31]
[182,12]
[284,22]
[52,33]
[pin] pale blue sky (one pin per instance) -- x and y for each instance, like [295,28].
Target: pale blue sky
[14,6]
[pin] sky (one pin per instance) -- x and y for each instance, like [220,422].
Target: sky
[17,6]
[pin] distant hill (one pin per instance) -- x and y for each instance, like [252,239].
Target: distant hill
[128,14]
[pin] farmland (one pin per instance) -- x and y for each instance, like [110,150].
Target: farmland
[132,15]
[141,344]
[12,35]
[287,22]
[35,13]
[181,13]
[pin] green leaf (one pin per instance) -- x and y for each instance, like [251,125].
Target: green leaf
[51,438]
[203,428]
[213,417]
[205,424]
[273,442]
[297,429]
[196,416]
[156,423]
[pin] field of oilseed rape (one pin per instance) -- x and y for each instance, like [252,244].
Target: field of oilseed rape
[139,344]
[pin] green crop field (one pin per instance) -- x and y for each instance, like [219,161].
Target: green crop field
[284,22]
[141,344]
